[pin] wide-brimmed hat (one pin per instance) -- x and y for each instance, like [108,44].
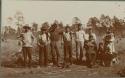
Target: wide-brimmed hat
[26,27]
[67,26]
[78,24]
[44,28]
[89,28]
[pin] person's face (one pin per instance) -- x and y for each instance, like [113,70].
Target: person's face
[67,29]
[90,31]
[101,45]
[29,30]
[25,30]
[43,31]
[79,27]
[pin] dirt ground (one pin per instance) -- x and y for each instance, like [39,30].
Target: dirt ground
[75,71]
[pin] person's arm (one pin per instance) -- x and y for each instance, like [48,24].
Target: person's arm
[48,38]
[33,37]
[98,50]
[95,46]
[104,38]
[62,38]
[94,37]
[84,35]
[112,37]
[71,35]
[75,36]
[38,40]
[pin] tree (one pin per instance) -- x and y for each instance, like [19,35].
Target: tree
[9,21]
[20,21]
[93,22]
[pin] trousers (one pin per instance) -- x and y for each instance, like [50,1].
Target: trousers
[55,52]
[43,55]
[67,52]
[27,55]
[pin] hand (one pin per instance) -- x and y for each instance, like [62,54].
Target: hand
[38,44]
[84,58]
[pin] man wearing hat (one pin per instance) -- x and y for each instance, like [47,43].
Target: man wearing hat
[27,42]
[80,38]
[67,39]
[54,38]
[43,39]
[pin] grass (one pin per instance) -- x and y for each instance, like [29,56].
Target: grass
[75,71]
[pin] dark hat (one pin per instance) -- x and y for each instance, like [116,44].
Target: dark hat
[79,24]
[67,26]
[90,28]
[44,28]
[53,26]
[26,27]
[45,24]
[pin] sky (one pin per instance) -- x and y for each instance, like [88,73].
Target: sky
[64,11]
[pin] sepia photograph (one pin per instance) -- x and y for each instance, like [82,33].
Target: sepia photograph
[62,39]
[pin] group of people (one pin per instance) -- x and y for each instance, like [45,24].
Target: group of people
[87,51]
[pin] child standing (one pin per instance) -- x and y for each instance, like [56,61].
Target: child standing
[100,54]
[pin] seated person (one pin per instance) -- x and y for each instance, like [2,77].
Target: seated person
[91,52]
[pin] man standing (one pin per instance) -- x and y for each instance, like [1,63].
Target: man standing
[43,39]
[80,38]
[67,38]
[27,42]
[54,38]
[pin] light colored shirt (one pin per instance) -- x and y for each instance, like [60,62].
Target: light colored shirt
[112,37]
[80,35]
[111,48]
[43,37]
[67,36]
[111,45]
[86,36]
[28,39]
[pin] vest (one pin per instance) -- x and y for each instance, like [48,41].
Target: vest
[67,36]
[42,40]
